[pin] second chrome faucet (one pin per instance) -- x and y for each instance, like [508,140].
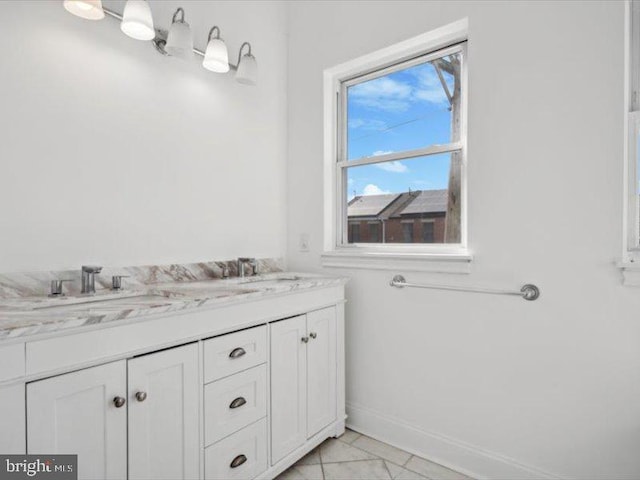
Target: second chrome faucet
[89,273]
[242,263]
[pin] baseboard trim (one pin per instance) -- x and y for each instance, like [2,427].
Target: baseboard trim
[464,458]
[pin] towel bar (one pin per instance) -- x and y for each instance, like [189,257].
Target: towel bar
[529,291]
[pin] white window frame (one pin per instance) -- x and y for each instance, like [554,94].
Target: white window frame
[632,130]
[446,258]
[630,263]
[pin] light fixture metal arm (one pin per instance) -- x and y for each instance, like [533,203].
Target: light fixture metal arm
[215,28]
[112,13]
[161,37]
[179,11]
[245,44]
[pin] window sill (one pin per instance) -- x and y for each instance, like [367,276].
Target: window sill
[630,273]
[458,263]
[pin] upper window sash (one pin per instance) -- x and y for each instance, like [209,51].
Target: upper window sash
[342,159]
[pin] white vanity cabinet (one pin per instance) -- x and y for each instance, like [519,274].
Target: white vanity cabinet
[85,413]
[240,391]
[303,379]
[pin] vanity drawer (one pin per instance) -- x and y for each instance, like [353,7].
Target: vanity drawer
[12,361]
[234,402]
[228,354]
[243,455]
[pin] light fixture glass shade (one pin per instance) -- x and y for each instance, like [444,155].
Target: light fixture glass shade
[180,40]
[137,21]
[216,58]
[88,9]
[247,73]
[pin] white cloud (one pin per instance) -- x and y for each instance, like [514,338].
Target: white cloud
[368,124]
[393,95]
[429,88]
[383,93]
[395,167]
[372,189]
[377,153]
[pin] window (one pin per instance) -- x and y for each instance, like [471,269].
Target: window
[428,229]
[401,136]
[374,232]
[633,124]
[394,152]
[407,232]
[354,232]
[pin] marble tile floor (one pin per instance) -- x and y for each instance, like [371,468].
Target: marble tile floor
[357,457]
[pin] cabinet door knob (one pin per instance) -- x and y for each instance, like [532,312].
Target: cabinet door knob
[141,396]
[119,401]
[239,460]
[304,339]
[238,402]
[237,352]
[313,334]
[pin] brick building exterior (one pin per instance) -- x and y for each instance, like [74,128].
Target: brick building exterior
[411,217]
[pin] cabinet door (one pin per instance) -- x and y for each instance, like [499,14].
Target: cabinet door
[76,413]
[12,426]
[288,386]
[163,415]
[321,369]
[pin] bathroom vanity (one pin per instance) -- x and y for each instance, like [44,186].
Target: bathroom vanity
[214,379]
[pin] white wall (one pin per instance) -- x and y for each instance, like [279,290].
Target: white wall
[111,153]
[495,386]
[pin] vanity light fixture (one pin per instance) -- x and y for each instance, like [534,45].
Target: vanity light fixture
[216,58]
[137,22]
[180,39]
[87,9]
[247,66]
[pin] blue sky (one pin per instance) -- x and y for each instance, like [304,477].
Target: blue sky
[404,110]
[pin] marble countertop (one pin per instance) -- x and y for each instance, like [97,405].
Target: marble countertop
[26,316]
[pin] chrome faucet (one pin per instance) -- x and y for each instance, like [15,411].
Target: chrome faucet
[242,262]
[89,273]
[56,287]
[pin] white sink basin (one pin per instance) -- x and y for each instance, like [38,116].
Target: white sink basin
[96,303]
[204,290]
[250,280]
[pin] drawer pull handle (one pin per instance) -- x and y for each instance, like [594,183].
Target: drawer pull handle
[305,339]
[141,396]
[239,460]
[119,402]
[238,402]
[313,335]
[237,352]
